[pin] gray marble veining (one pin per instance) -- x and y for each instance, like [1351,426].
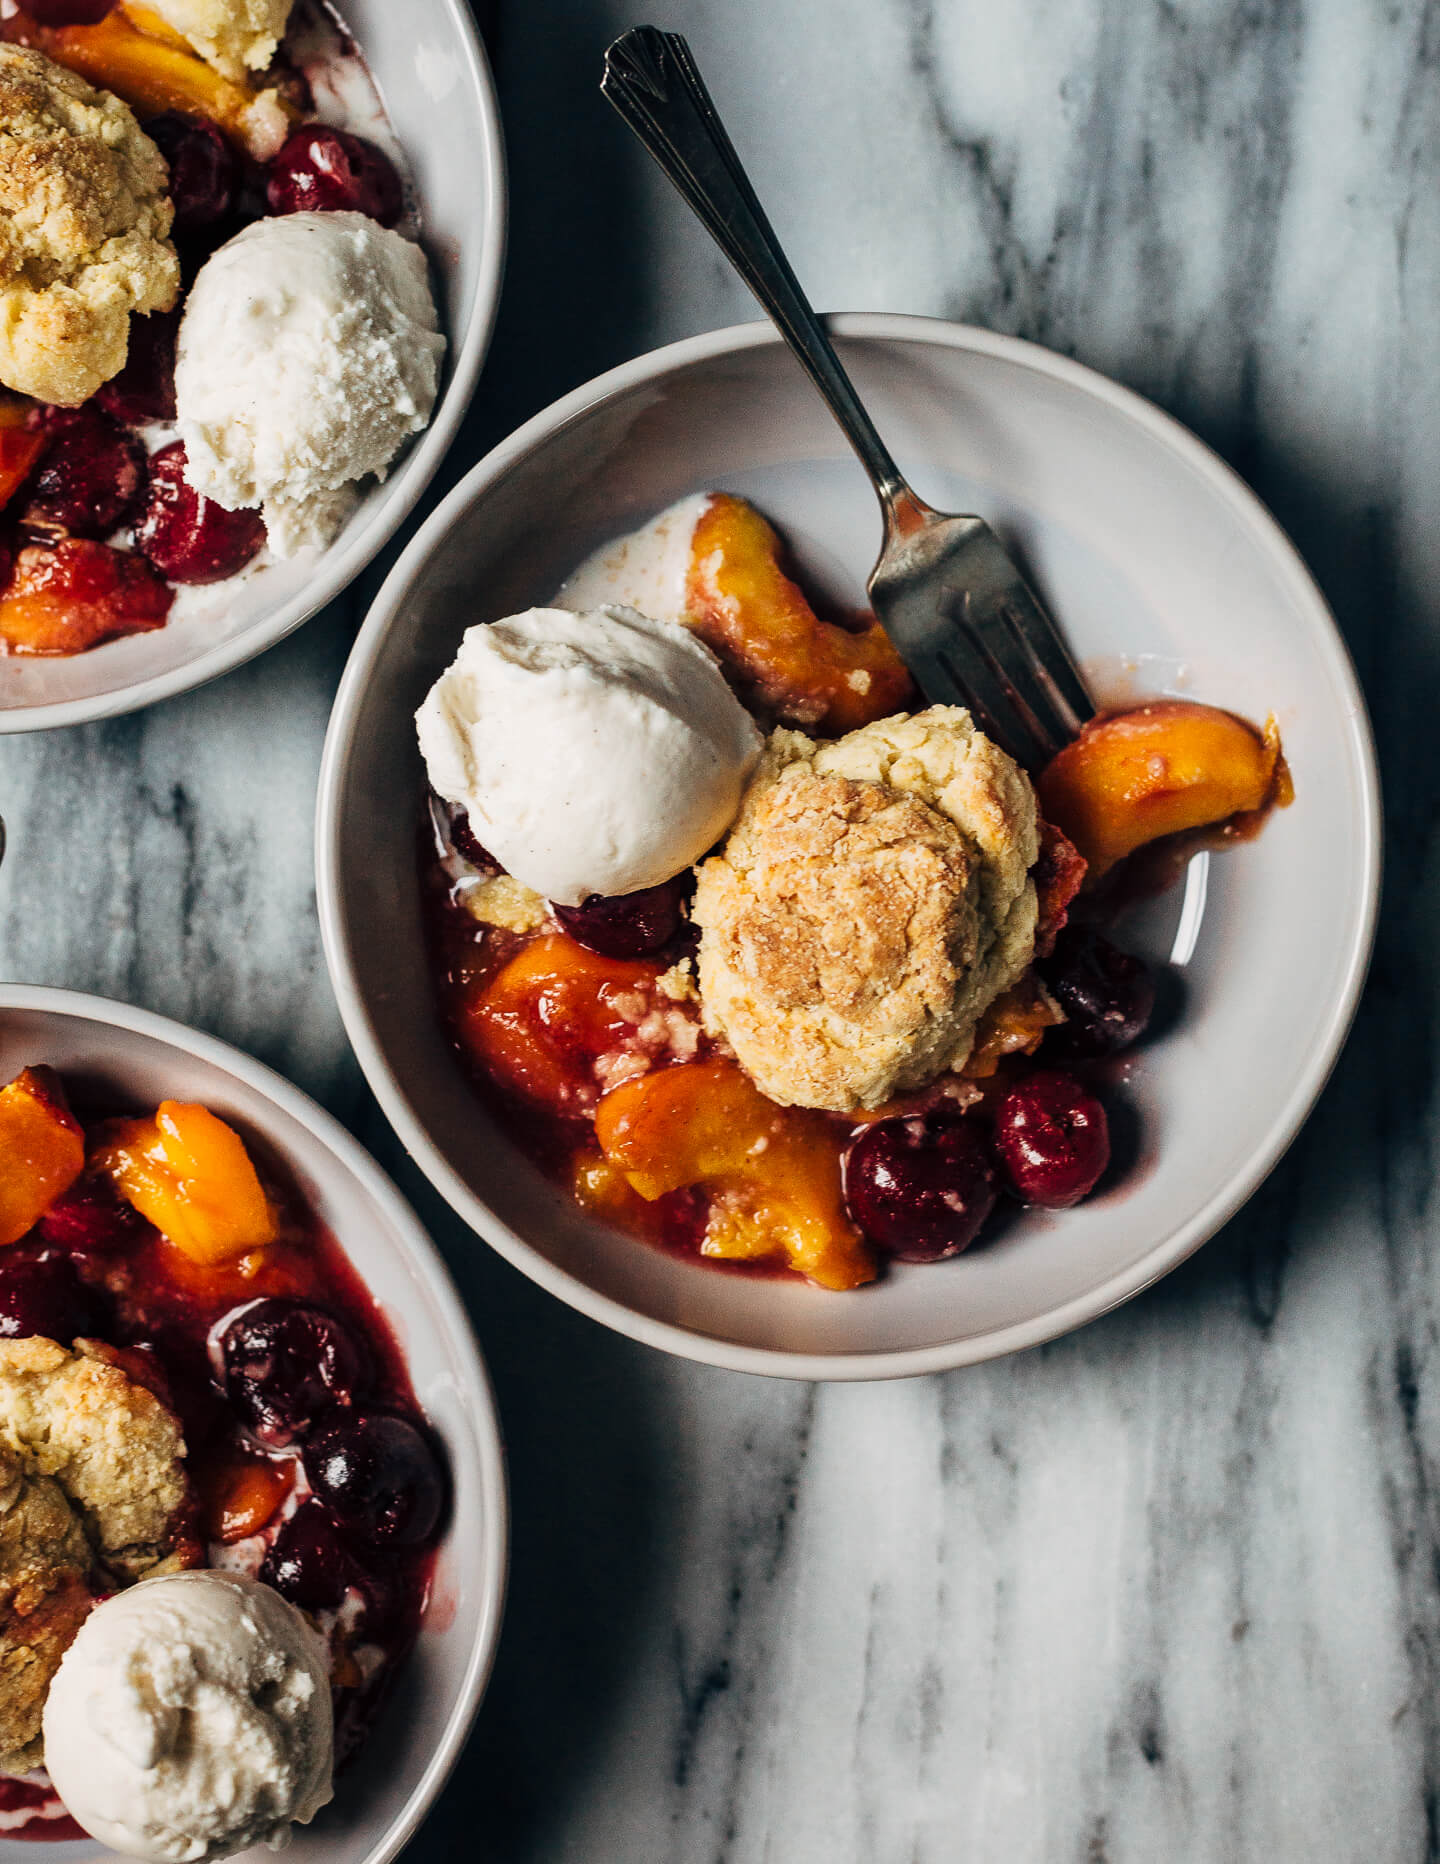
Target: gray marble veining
[1167,1588]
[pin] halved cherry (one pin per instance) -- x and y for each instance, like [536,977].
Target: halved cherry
[320,169]
[204,171]
[91,474]
[144,390]
[190,538]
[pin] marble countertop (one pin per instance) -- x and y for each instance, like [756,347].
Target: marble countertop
[1166,1588]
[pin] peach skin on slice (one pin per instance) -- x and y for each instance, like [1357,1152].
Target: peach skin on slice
[773,1172]
[42,1150]
[755,619]
[189,1174]
[1160,770]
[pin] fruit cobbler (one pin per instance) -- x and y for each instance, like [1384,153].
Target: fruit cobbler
[765,959]
[215,321]
[194,1384]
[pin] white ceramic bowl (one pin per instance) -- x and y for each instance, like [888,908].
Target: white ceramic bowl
[140,1059]
[1167,574]
[432,73]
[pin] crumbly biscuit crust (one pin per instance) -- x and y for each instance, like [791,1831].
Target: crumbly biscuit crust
[235,36]
[114,1448]
[872,900]
[45,1594]
[93,1491]
[84,221]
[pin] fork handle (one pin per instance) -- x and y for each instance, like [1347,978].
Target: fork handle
[652,80]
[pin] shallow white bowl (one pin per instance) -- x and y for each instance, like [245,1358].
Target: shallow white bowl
[432,73]
[1167,574]
[138,1059]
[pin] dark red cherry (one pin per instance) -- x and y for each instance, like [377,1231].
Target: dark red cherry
[144,390]
[204,171]
[307,1562]
[42,1294]
[329,170]
[921,1186]
[378,1476]
[283,1362]
[189,538]
[628,925]
[68,12]
[1107,994]
[1052,1138]
[92,1219]
[91,475]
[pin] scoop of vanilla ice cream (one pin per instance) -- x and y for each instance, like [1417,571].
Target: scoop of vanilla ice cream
[191,1718]
[309,353]
[646,569]
[594,753]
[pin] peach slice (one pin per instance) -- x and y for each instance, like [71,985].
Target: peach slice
[747,610]
[19,451]
[1014,1024]
[145,19]
[544,1019]
[189,1174]
[773,1172]
[42,1150]
[155,74]
[1161,770]
[240,1494]
[69,599]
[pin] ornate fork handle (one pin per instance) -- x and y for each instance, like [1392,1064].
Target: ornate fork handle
[651,79]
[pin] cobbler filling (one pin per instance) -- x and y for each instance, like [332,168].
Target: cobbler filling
[549,1028]
[311,1464]
[726,1064]
[101,535]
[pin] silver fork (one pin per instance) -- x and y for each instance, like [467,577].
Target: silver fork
[958,610]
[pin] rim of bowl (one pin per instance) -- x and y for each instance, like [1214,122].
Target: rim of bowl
[339,567]
[353,1157]
[1168,1251]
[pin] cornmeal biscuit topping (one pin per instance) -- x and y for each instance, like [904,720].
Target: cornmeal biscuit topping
[235,36]
[84,221]
[47,1572]
[93,1493]
[872,900]
[115,1449]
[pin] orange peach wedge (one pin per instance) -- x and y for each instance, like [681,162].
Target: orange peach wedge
[189,1174]
[540,1023]
[1161,770]
[773,1172]
[757,621]
[42,1150]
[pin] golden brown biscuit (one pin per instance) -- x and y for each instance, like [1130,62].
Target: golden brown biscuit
[84,221]
[871,901]
[46,1577]
[93,1494]
[115,1449]
[235,36]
